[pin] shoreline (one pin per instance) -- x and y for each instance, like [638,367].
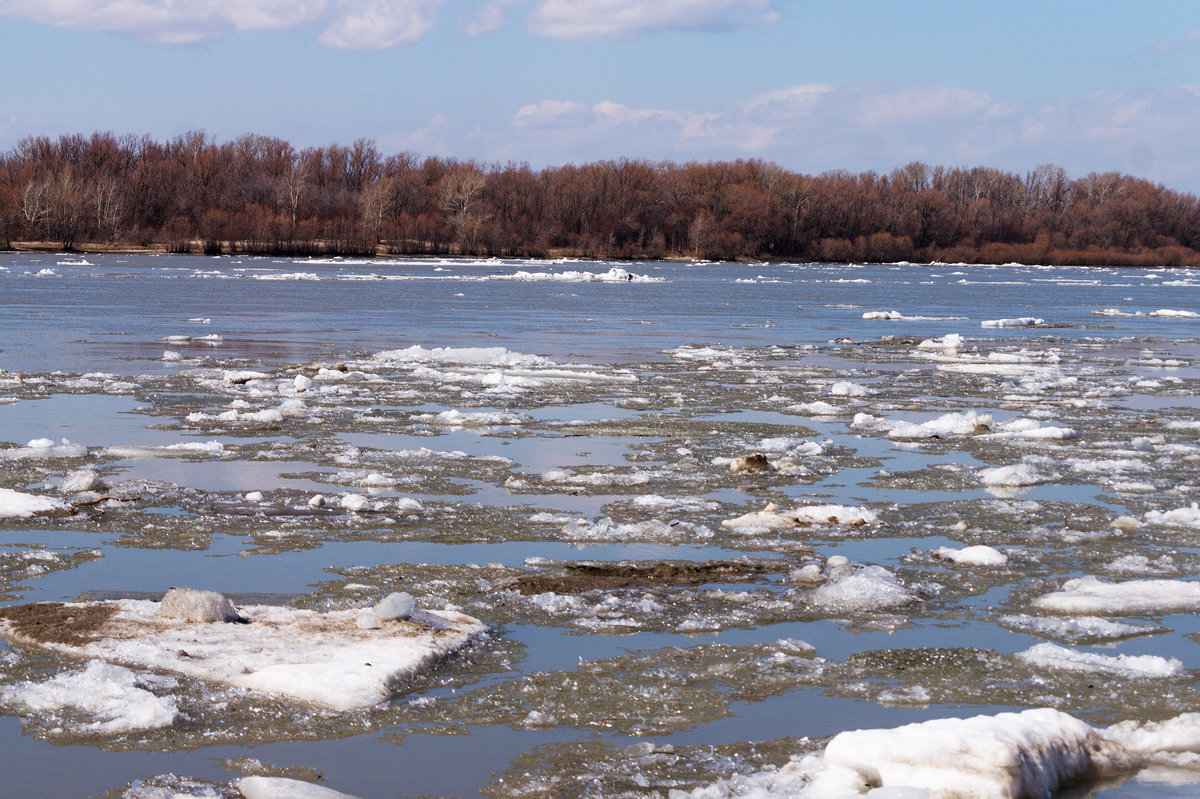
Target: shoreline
[1083,258]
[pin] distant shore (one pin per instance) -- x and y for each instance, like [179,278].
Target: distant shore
[258,195]
[959,257]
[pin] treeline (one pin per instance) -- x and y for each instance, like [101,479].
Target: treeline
[261,195]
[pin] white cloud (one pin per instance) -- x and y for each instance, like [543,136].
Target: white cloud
[550,112]
[920,103]
[800,98]
[599,19]
[490,15]
[348,24]
[380,24]
[166,21]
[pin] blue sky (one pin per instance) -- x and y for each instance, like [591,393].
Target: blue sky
[813,85]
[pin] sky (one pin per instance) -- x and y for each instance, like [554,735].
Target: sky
[813,85]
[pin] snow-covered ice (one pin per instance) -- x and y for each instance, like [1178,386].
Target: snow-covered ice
[321,658]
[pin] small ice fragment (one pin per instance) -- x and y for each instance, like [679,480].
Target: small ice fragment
[254,496]
[1019,475]
[981,555]
[284,788]
[79,480]
[396,605]
[191,604]
[1125,523]
[355,502]
[317,501]
[171,355]
[845,388]
[303,383]
[1024,321]
[367,621]
[17,504]
[1053,656]
[808,573]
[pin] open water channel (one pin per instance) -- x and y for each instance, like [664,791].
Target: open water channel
[710,514]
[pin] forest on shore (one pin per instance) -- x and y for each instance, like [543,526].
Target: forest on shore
[260,195]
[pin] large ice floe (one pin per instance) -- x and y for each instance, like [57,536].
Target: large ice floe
[1027,755]
[1090,595]
[772,518]
[18,504]
[340,659]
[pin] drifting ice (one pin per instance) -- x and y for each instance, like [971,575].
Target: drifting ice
[1007,756]
[321,658]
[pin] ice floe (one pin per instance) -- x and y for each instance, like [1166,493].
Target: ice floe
[979,555]
[1188,516]
[114,699]
[1172,313]
[1033,753]
[325,659]
[44,449]
[862,588]
[1077,629]
[772,518]
[256,787]
[614,275]
[1022,321]
[17,504]
[1137,666]
[1090,595]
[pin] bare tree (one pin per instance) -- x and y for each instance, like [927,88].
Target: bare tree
[35,206]
[460,189]
[109,203]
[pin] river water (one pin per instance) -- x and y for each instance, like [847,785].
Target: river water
[477,424]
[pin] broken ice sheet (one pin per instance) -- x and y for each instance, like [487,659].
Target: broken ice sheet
[600,768]
[322,659]
[645,693]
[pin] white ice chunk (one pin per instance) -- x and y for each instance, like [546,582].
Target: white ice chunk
[15,504]
[1057,657]
[283,788]
[320,658]
[191,604]
[1019,474]
[110,696]
[1089,595]
[1180,517]
[845,388]
[45,449]
[980,555]
[1171,313]
[1022,321]
[864,589]
[1008,755]
[79,480]
[771,518]
[396,605]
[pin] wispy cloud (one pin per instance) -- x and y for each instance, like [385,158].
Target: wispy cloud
[380,24]
[600,19]
[344,24]
[1174,45]
[815,127]
[165,21]
[486,16]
